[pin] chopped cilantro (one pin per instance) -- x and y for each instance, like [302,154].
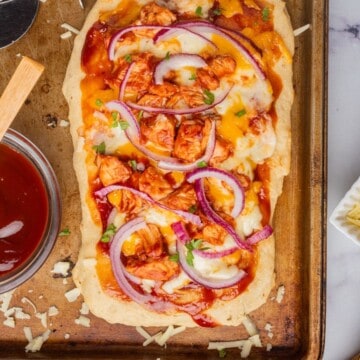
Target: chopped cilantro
[201,164]
[141,113]
[209,97]
[64,232]
[217,11]
[194,244]
[108,234]
[240,113]
[98,102]
[167,56]
[198,11]
[123,124]
[174,257]
[100,149]
[192,77]
[133,164]
[192,209]
[128,58]
[265,14]
[222,353]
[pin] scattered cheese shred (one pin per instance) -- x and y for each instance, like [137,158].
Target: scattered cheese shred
[246,349]
[64,123]
[72,295]
[84,309]
[18,312]
[61,268]
[83,321]
[301,29]
[268,347]
[9,321]
[250,326]
[27,300]
[28,333]
[152,338]
[143,332]
[81,4]
[43,318]
[70,28]
[43,1]
[67,336]
[5,300]
[160,338]
[36,343]
[280,294]
[66,35]
[53,311]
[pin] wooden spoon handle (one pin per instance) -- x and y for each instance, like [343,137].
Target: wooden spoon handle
[17,90]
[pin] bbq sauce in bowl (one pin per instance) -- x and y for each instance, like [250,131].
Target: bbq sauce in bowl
[29,195]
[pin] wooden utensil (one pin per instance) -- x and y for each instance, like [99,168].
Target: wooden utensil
[21,83]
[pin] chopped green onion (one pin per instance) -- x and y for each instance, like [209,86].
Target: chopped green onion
[64,232]
[123,124]
[98,102]
[217,11]
[100,149]
[133,164]
[240,113]
[109,232]
[192,77]
[192,209]
[222,353]
[141,113]
[174,257]
[198,11]
[209,97]
[265,14]
[167,56]
[201,164]
[128,58]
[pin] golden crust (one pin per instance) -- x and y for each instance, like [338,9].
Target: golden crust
[231,312]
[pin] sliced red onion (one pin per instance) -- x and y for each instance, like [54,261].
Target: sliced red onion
[263,234]
[176,62]
[133,131]
[210,147]
[211,214]
[220,97]
[184,214]
[228,178]
[125,81]
[123,234]
[11,229]
[195,275]
[117,36]
[204,28]
[175,31]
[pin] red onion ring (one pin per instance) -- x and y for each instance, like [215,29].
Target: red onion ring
[117,36]
[195,275]
[211,214]
[175,62]
[117,266]
[184,214]
[231,180]
[202,27]
[11,229]
[183,236]
[218,99]
[210,147]
[125,81]
[263,234]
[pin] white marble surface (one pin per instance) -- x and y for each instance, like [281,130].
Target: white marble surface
[343,276]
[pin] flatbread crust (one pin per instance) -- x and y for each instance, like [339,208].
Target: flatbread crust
[230,312]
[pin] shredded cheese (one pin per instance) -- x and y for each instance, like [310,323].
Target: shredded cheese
[61,268]
[9,321]
[301,29]
[36,343]
[280,294]
[66,35]
[64,123]
[5,300]
[84,309]
[143,332]
[83,321]
[26,300]
[43,318]
[67,336]
[70,28]
[250,326]
[53,311]
[268,347]
[28,333]
[72,295]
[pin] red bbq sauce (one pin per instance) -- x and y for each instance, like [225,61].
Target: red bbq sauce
[23,197]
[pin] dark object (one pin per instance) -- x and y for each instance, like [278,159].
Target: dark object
[16,17]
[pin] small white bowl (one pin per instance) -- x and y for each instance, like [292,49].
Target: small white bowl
[338,216]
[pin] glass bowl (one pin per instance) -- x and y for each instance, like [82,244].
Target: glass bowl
[31,156]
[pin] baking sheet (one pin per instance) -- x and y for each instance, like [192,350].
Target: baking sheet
[298,322]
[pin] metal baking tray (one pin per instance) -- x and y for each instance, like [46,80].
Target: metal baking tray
[300,219]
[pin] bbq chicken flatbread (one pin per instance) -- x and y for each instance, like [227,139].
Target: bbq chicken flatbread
[180,117]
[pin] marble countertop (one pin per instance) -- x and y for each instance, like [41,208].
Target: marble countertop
[343,261]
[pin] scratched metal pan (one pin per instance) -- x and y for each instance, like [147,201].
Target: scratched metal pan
[300,219]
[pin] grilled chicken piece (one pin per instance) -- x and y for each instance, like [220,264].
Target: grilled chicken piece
[186,97]
[207,79]
[222,151]
[222,65]
[152,101]
[112,170]
[154,183]
[125,201]
[183,198]
[213,234]
[160,130]
[153,14]
[164,90]
[191,139]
